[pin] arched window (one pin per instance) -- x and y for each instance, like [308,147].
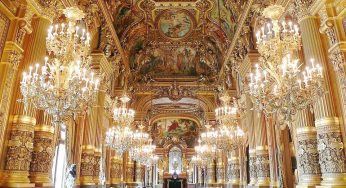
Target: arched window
[175,160]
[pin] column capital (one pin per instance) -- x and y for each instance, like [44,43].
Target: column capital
[302,9]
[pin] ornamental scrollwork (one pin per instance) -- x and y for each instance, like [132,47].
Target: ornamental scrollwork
[19,150]
[308,157]
[42,155]
[262,165]
[87,164]
[331,155]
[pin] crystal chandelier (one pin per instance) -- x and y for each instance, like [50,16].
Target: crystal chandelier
[275,40]
[226,114]
[144,154]
[122,115]
[288,89]
[119,138]
[278,84]
[64,84]
[206,152]
[139,140]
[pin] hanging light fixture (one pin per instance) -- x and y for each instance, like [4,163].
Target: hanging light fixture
[226,114]
[119,137]
[64,84]
[278,84]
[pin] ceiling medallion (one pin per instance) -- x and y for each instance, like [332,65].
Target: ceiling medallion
[175,24]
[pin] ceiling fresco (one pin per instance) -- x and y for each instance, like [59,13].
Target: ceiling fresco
[176,38]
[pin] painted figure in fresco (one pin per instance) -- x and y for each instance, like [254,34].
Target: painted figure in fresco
[175,24]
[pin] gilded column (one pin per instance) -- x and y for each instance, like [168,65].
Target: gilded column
[220,169]
[87,158]
[210,175]
[43,154]
[262,154]
[330,145]
[77,144]
[130,172]
[273,148]
[309,173]
[234,167]
[139,174]
[116,171]
[22,123]
[200,175]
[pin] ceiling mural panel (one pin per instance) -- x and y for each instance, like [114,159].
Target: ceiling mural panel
[166,131]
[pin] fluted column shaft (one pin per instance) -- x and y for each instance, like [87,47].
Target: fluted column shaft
[210,178]
[273,148]
[252,120]
[331,157]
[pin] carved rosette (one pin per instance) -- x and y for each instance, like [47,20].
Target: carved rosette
[307,156]
[87,163]
[116,170]
[42,156]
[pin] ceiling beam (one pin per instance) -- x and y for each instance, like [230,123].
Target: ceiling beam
[109,23]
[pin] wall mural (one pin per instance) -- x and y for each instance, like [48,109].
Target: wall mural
[165,130]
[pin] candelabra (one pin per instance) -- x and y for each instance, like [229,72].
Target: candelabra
[119,138]
[123,115]
[226,114]
[64,84]
[275,40]
[286,90]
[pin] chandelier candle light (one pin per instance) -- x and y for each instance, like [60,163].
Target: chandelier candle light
[64,84]
[278,84]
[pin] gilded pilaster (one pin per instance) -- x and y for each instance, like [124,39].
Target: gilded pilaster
[306,150]
[43,154]
[87,166]
[330,145]
[97,160]
[272,149]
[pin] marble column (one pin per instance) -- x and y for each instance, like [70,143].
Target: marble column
[234,168]
[262,154]
[43,153]
[309,172]
[330,145]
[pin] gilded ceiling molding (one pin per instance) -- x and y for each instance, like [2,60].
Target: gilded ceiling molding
[114,35]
